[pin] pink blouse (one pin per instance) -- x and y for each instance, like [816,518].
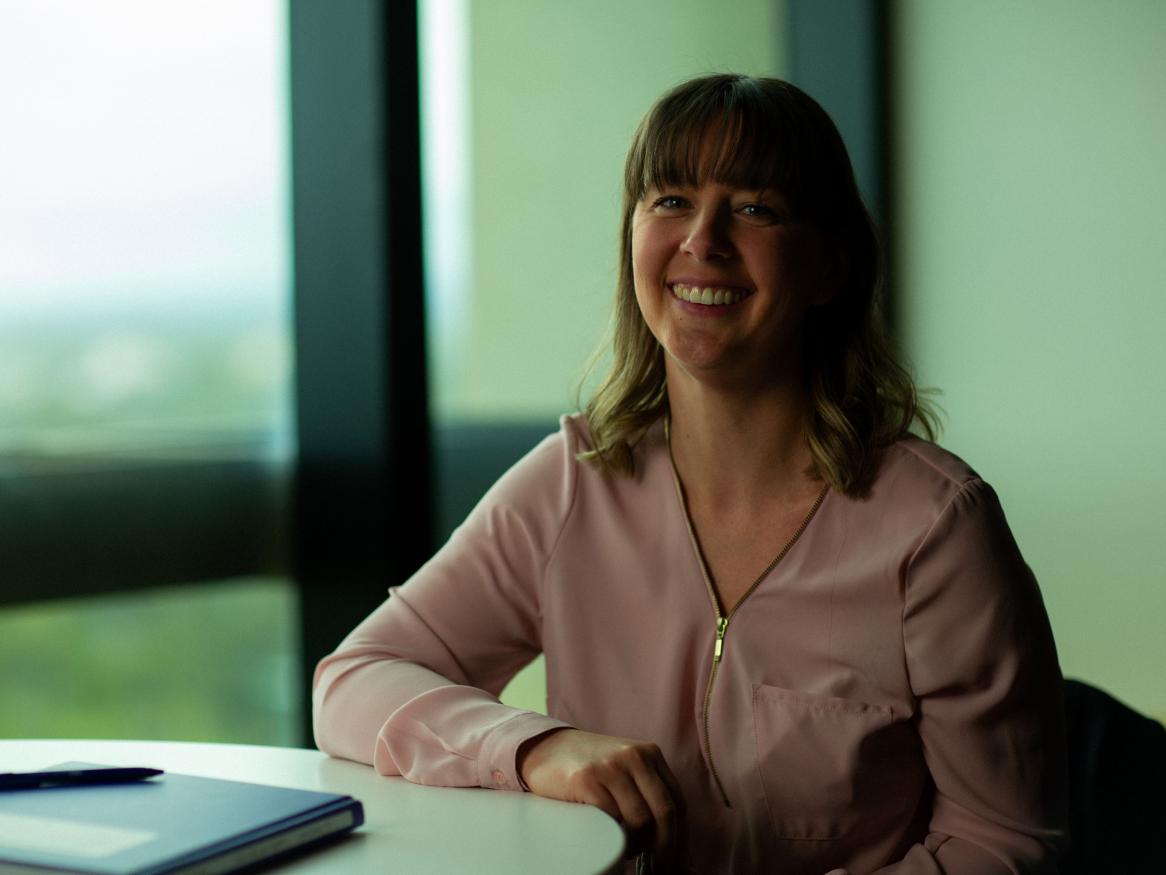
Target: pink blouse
[888,699]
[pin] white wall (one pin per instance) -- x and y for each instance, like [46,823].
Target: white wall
[1032,269]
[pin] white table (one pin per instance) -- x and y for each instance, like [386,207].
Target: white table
[408,828]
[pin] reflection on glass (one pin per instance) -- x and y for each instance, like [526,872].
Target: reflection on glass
[446,188]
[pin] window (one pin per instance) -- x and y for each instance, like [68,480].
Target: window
[145,366]
[145,263]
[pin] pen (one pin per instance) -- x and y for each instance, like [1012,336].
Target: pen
[73,777]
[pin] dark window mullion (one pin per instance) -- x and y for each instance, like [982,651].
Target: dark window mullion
[363,490]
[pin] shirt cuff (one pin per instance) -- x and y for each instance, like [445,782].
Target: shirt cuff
[497,768]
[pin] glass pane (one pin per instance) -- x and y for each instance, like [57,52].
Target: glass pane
[212,662]
[143,229]
[144,310]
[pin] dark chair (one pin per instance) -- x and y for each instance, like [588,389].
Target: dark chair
[1117,786]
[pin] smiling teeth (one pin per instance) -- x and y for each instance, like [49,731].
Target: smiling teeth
[709,295]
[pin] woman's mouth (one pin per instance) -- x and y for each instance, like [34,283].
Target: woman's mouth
[710,296]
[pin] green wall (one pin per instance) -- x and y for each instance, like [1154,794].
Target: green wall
[1032,271]
[556,90]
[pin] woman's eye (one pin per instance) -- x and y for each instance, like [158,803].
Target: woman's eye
[669,202]
[759,212]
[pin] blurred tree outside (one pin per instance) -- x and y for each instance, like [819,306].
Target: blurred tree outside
[209,662]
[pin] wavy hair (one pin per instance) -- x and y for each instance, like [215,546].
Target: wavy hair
[765,133]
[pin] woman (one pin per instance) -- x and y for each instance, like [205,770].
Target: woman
[781,633]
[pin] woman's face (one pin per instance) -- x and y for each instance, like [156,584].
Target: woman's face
[723,277]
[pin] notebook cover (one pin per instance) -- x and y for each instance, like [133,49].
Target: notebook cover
[171,823]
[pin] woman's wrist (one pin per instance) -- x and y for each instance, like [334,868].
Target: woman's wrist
[527,757]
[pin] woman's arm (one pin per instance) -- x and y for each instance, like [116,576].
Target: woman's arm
[982,662]
[413,689]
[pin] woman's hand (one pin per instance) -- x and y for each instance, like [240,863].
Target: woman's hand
[628,779]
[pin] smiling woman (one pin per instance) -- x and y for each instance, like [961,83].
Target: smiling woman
[781,632]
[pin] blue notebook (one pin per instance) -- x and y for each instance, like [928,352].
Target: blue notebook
[169,824]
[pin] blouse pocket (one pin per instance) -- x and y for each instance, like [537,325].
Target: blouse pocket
[826,763]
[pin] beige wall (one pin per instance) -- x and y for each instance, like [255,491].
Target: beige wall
[1032,267]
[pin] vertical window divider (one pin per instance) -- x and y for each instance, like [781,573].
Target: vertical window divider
[363,485]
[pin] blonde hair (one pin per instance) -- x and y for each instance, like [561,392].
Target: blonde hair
[765,133]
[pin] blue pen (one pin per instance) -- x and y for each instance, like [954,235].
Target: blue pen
[73,777]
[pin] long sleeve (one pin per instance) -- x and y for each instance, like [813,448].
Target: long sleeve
[413,689]
[983,665]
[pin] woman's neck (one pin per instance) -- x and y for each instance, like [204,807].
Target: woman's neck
[733,447]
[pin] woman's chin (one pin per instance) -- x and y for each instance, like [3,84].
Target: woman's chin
[697,357]
[714,367]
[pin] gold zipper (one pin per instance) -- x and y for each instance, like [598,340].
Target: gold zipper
[723,619]
[718,649]
[719,646]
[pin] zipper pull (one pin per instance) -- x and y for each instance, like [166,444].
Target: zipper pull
[718,648]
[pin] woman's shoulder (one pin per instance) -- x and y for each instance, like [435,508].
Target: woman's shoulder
[557,449]
[920,459]
[540,496]
[920,479]
[554,464]
[647,449]
[550,458]
[926,496]
[575,432]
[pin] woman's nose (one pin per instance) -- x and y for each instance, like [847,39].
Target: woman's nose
[707,238]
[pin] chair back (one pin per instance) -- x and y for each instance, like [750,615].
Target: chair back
[1117,785]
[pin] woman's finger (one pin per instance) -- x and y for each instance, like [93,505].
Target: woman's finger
[673,785]
[627,779]
[664,801]
[656,788]
[635,815]
[601,798]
